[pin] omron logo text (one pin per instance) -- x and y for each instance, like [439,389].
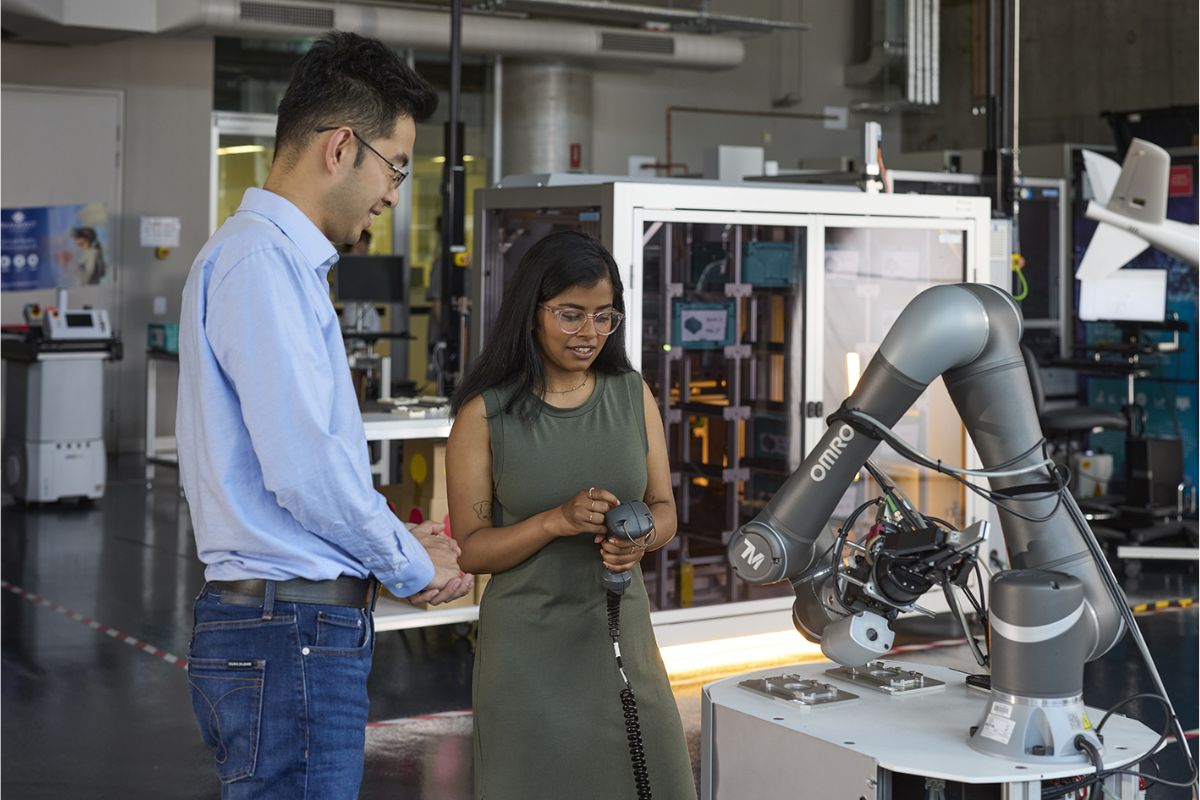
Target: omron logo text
[829,455]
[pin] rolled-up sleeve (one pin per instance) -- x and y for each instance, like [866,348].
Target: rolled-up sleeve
[273,343]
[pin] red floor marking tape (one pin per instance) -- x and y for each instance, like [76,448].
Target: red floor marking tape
[133,642]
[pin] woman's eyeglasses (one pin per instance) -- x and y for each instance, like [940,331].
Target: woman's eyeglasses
[572,320]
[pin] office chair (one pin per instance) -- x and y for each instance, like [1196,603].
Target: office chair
[1069,424]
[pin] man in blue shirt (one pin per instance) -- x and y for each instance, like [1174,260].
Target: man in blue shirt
[272,452]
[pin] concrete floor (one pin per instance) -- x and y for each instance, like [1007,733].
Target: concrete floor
[96,610]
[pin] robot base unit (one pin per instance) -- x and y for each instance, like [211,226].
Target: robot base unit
[854,741]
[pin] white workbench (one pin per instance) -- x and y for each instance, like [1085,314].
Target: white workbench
[384,427]
[1126,551]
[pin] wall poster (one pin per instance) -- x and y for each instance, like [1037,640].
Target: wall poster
[54,247]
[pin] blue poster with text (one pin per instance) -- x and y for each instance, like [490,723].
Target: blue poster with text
[53,247]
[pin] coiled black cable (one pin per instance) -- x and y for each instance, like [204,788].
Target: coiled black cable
[633,726]
[637,753]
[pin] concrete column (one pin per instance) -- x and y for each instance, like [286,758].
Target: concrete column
[547,118]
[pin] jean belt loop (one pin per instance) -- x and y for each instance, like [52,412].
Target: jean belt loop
[374,591]
[268,601]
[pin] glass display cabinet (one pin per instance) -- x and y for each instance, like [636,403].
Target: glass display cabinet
[751,312]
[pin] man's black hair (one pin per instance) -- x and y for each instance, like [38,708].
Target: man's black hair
[347,79]
[510,356]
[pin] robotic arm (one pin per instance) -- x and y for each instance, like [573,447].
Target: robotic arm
[1054,609]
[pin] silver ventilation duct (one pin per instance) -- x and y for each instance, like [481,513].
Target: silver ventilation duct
[70,21]
[904,58]
[547,113]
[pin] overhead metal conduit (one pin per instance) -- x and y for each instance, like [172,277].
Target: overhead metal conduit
[83,20]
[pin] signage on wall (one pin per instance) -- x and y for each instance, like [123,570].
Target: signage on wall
[159,232]
[702,326]
[54,247]
[1180,183]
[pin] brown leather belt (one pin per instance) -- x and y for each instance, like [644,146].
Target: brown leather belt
[343,591]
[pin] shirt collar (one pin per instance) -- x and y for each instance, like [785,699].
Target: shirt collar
[318,251]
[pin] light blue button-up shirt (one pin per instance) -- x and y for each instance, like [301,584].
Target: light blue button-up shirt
[272,452]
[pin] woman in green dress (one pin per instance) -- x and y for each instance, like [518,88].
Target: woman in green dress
[552,429]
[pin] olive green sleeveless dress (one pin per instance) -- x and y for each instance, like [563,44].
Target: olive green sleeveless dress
[548,718]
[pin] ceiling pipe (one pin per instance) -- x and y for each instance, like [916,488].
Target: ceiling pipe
[888,45]
[67,21]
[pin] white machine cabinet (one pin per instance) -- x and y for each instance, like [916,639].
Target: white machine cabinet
[751,310]
[54,444]
[54,407]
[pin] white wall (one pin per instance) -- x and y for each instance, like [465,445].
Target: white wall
[168,98]
[629,105]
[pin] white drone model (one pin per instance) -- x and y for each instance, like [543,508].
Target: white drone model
[1131,204]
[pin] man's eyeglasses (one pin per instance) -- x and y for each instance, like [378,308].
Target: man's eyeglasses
[398,175]
[572,320]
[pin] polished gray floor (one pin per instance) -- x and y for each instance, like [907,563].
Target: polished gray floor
[97,603]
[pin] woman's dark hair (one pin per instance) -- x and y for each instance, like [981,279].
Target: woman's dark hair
[347,79]
[88,235]
[559,262]
[92,240]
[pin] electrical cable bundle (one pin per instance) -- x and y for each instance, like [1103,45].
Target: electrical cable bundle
[1102,774]
[633,727]
[895,501]
[1058,482]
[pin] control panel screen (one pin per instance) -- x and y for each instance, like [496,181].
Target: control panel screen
[80,320]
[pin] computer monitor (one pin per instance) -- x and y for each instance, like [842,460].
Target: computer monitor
[370,279]
[1134,295]
[1040,229]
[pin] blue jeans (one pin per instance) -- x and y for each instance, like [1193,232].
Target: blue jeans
[280,693]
